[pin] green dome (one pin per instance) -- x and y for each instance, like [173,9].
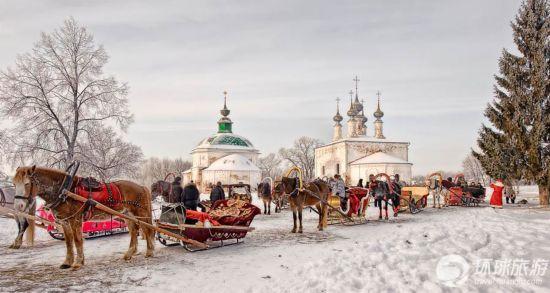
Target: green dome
[228,139]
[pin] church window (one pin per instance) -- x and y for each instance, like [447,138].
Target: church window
[323,170]
[337,168]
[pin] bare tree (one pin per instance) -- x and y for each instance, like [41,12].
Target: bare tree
[302,154]
[107,156]
[58,92]
[270,166]
[473,171]
[154,169]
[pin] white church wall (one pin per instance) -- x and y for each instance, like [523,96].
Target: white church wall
[231,177]
[203,158]
[359,150]
[332,158]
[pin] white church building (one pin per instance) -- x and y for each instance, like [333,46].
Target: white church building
[357,154]
[223,156]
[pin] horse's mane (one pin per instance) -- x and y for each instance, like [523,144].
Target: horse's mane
[21,171]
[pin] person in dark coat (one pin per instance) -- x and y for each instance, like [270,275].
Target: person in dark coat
[217,193]
[360,183]
[190,196]
[396,196]
[176,190]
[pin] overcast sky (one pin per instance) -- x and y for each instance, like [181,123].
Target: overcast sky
[284,63]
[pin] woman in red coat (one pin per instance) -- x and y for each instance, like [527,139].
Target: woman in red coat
[496,198]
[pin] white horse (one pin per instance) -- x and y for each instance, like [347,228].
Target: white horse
[437,191]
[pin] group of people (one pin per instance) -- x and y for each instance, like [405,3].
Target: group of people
[380,190]
[189,195]
[500,189]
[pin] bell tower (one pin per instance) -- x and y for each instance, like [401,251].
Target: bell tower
[378,124]
[337,135]
[225,124]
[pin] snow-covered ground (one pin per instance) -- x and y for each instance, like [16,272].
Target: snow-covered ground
[407,254]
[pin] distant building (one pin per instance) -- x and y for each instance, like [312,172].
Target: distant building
[358,155]
[223,156]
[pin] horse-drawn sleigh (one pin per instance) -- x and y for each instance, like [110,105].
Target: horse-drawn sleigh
[126,200]
[460,194]
[227,222]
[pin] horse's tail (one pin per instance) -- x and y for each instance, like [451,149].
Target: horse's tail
[149,212]
[29,237]
[149,205]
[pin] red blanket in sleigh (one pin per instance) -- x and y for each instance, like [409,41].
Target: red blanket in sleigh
[234,212]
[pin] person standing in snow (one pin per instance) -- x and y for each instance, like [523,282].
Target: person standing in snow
[496,197]
[339,189]
[509,193]
[190,196]
[396,196]
[176,189]
[217,193]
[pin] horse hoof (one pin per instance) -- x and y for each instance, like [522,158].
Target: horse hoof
[300,231]
[64,266]
[76,267]
[127,257]
[13,246]
[269,214]
[293,231]
[149,254]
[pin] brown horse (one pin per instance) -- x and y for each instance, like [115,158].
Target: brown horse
[311,194]
[164,189]
[49,183]
[264,191]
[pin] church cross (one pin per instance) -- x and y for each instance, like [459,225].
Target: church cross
[356,81]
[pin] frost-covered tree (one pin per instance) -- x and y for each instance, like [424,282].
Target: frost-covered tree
[473,171]
[107,156]
[517,144]
[55,94]
[154,169]
[302,154]
[270,166]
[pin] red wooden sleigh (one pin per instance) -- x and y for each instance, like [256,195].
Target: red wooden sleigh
[211,229]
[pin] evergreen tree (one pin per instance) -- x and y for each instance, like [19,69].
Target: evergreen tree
[517,145]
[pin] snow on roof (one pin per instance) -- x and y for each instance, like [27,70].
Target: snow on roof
[232,162]
[379,158]
[364,139]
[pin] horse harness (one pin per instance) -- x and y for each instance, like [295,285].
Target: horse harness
[29,199]
[297,189]
[66,186]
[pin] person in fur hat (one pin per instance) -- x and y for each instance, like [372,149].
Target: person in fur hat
[496,197]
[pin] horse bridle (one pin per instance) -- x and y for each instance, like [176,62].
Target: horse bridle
[292,193]
[29,199]
[68,179]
